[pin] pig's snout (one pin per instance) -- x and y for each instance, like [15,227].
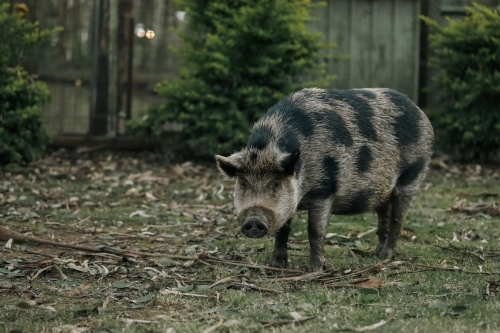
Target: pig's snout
[254,228]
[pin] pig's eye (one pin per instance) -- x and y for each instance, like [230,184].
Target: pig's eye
[243,186]
[275,185]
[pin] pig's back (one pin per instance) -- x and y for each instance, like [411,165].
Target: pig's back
[354,144]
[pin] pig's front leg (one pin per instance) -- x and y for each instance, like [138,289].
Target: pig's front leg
[280,254]
[319,215]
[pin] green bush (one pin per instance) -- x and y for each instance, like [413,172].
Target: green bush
[467,59]
[22,136]
[239,58]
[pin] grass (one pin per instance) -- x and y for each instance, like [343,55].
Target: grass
[184,211]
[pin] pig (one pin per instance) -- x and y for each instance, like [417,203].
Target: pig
[340,152]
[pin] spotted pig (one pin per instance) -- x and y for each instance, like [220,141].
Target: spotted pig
[330,152]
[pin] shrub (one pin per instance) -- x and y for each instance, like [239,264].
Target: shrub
[22,135]
[239,58]
[467,58]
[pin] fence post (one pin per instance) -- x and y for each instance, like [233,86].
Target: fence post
[99,94]
[113,68]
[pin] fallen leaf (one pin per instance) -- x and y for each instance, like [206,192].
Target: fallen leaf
[140,213]
[120,284]
[69,329]
[369,283]
[371,327]
[145,298]
[437,304]
[167,291]
[362,234]
[47,307]
[306,306]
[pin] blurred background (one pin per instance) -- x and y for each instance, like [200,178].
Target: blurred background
[384,42]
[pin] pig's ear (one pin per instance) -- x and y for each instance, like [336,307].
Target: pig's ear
[228,166]
[289,162]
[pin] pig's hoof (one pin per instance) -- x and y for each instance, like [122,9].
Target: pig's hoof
[386,253]
[279,263]
[316,265]
[316,268]
[379,248]
[280,258]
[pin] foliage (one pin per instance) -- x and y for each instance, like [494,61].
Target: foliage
[22,136]
[240,57]
[467,58]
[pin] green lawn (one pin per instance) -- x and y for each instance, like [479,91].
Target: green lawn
[139,203]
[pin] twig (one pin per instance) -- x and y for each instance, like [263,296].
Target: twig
[63,276]
[369,269]
[409,272]
[285,322]
[6,234]
[41,271]
[41,254]
[214,327]
[461,251]
[176,292]
[242,285]
[455,270]
[224,280]
[235,263]
[303,277]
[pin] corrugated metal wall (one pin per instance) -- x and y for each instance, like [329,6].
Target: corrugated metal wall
[382,39]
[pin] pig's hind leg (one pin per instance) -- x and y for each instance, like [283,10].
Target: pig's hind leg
[280,253]
[384,219]
[404,193]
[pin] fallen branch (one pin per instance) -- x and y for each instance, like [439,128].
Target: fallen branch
[364,283]
[236,263]
[492,210]
[353,274]
[303,277]
[454,269]
[409,272]
[6,234]
[285,322]
[244,285]
[214,327]
[176,292]
[461,251]
[40,253]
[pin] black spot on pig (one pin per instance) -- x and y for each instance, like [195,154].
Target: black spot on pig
[406,126]
[335,125]
[260,137]
[288,142]
[366,94]
[294,117]
[411,172]
[364,159]
[329,185]
[357,204]
[253,157]
[289,163]
[363,111]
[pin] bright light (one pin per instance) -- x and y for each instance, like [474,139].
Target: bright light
[139,30]
[150,34]
[180,15]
